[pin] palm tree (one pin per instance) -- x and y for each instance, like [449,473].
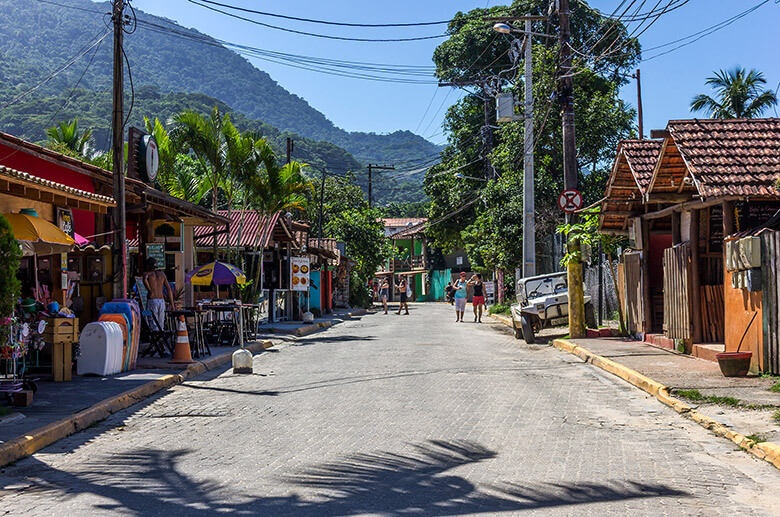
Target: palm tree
[65,136]
[739,94]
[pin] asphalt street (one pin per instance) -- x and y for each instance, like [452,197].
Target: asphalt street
[397,415]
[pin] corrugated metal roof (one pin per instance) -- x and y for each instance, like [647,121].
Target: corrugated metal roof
[401,221]
[253,224]
[409,231]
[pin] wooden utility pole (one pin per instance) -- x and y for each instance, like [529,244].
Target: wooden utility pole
[117,147]
[639,103]
[371,168]
[566,93]
[290,148]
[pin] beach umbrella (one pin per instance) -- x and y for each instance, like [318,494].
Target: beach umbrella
[37,236]
[217,273]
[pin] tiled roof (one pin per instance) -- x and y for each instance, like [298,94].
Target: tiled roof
[642,156]
[401,221]
[409,231]
[97,198]
[730,157]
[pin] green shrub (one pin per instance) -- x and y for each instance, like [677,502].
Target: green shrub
[500,308]
[10,253]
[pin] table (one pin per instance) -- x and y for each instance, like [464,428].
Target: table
[225,323]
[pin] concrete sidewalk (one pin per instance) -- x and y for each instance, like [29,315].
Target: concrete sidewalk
[745,404]
[300,329]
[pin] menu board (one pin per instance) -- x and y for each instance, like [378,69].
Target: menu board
[299,274]
[157,252]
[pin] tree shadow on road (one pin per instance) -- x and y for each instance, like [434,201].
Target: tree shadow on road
[150,481]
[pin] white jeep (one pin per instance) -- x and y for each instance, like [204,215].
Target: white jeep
[543,301]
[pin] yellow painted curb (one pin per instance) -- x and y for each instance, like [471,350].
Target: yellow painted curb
[766,451]
[23,446]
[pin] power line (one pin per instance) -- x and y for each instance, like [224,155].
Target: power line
[324,22]
[314,34]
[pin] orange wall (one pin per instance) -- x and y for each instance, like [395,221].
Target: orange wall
[741,304]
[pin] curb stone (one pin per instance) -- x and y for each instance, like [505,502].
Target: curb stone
[28,444]
[767,451]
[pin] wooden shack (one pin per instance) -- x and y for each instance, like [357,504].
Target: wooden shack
[712,181]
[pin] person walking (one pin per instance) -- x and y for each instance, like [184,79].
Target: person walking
[448,293]
[384,292]
[403,286]
[461,293]
[478,298]
[156,283]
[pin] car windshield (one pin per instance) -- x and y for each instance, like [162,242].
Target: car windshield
[541,286]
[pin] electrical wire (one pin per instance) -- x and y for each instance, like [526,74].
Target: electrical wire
[324,22]
[314,34]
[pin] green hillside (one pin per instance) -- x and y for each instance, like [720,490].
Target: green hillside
[36,38]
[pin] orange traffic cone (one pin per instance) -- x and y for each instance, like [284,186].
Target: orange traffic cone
[181,354]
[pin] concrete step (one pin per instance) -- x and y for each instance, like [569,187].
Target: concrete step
[660,340]
[708,351]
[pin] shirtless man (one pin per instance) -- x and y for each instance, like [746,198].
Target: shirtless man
[156,283]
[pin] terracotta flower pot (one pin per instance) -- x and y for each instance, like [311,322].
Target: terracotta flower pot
[734,364]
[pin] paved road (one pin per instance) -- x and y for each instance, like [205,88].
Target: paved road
[391,415]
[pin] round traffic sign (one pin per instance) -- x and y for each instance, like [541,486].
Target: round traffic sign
[570,200]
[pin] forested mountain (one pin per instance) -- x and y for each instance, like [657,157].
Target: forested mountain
[36,38]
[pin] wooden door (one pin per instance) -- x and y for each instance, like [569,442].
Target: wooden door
[770,258]
[633,290]
[677,296]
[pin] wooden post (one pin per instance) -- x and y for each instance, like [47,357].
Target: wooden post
[647,300]
[676,233]
[728,219]
[696,277]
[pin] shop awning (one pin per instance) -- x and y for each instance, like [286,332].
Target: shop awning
[24,185]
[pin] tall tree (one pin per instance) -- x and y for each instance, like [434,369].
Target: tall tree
[484,214]
[738,94]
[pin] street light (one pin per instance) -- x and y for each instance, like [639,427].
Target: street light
[503,28]
[462,177]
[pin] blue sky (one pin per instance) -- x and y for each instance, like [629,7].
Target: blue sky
[668,82]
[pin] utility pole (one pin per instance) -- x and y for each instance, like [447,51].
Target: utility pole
[371,169]
[566,92]
[290,148]
[639,102]
[322,201]
[118,169]
[529,206]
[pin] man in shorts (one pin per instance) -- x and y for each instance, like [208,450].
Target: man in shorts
[156,283]
[461,293]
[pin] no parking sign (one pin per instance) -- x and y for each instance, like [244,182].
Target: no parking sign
[570,200]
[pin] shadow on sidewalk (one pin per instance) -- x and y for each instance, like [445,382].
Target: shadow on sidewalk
[150,481]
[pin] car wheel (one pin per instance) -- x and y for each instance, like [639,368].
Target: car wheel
[528,331]
[590,316]
[518,332]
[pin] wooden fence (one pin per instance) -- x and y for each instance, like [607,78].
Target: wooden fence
[677,297]
[633,291]
[770,257]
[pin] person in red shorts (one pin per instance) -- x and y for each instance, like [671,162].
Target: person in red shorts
[478,298]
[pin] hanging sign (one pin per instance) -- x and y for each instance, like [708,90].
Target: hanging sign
[570,200]
[148,158]
[299,273]
[65,221]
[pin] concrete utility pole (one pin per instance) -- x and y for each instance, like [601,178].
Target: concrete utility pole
[566,91]
[529,206]
[290,148]
[371,168]
[117,147]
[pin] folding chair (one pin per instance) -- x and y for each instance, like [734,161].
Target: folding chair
[159,340]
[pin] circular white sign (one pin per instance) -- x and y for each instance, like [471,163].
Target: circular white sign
[570,200]
[151,157]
